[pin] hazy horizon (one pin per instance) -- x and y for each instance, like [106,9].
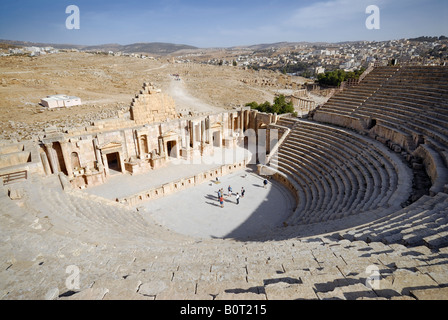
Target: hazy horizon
[197,48]
[209,24]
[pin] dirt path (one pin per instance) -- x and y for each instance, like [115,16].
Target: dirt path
[185,102]
[157,68]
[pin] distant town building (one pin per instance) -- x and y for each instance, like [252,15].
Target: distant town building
[60,101]
[319,70]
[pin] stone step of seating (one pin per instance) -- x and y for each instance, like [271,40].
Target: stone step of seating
[84,214]
[309,268]
[303,178]
[300,155]
[347,181]
[321,184]
[333,176]
[315,268]
[286,122]
[347,99]
[309,208]
[379,166]
[404,118]
[425,220]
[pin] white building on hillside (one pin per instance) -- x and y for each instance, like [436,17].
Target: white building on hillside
[59,101]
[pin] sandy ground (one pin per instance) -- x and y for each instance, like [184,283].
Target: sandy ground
[197,212]
[185,102]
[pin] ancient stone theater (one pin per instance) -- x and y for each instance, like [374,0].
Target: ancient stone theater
[355,204]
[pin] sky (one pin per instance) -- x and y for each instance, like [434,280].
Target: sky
[222,23]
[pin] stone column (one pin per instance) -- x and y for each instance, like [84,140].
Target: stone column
[67,158]
[52,157]
[178,144]
[45,163]
[139,144]
[106,165]
[147,143]
[208,130]
[98,157]
[161,147]
[122,166]
[186,137]
[192,134]
[203,132]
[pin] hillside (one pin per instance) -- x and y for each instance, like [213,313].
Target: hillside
[156,48]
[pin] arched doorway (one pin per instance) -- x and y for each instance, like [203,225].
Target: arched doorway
[172,149]
[76,165]
[113,161]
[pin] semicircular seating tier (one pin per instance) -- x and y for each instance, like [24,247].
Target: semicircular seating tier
[337,173]
[403,107]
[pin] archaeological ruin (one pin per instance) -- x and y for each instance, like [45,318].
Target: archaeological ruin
[357,184]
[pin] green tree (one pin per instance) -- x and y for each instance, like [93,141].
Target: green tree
[280,106]
[336,77]
[252,105]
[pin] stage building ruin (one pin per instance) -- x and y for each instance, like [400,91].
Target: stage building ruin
[150,136]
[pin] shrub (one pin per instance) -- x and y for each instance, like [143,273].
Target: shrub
[280,106]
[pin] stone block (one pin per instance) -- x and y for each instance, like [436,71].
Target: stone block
[89,294]
[403,281]
[431,294]
[152,288]
[287,291]
[178,291]
[15,193]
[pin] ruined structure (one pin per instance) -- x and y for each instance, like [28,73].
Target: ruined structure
[281,82]
[151,105]
[302,103]
[60,101]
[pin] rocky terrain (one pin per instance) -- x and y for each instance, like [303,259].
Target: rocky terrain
[107,84]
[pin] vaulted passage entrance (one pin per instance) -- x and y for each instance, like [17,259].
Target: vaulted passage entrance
[113,161]
[172,148]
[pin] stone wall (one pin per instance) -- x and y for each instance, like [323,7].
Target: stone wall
[89,157]
[151,105]
[18,161]
[341,120]
[182,184]
[434,166]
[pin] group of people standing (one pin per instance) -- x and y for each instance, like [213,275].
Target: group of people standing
[237,195]
[229,194]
